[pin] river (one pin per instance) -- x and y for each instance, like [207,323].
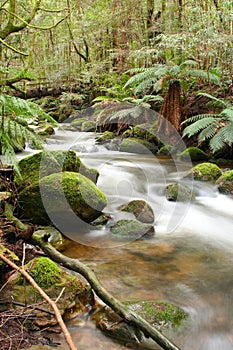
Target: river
[188,262]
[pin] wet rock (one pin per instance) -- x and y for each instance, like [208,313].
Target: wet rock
[56,239]
[204,172]
[133,145]
[162,315]
[167,150]
[52,279]
[193,153]
[141,210]
[132,229]
[45,130]
[64,193]
[225,182]
[178,192]
[105,137]
[77,123]
[88,126]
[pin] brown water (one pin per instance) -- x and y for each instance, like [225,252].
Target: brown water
[188,262]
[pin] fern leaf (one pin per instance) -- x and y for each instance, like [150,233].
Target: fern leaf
[198,126]
[219,101]
[208,132]
[199,117]
[206,76]
[227,113]
[218,141]
[227,132]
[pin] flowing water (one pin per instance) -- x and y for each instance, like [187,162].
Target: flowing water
[188,262]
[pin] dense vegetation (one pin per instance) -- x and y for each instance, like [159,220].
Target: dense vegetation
[155,50]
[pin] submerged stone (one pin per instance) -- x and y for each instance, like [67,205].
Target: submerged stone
[132,229]
[133,145]
[194,154]
[178,192]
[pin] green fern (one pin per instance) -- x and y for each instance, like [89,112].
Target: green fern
[217,128]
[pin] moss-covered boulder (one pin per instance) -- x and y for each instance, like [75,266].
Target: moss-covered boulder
[162,315]
[131,229]
[48,162]
[225,183]
[77,122]
[133,145]
[52,279]
[141,210]
[167,150]
[88,126]
[45,130]
[193,153]
[81,194]
[5,251]
[141,130]
[178,192]
[105,137]
[204,172]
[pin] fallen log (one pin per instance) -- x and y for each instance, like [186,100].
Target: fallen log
[124,312]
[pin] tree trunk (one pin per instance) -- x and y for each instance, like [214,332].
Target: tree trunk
[170,114]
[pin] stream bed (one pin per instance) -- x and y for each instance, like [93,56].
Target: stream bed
[188,262]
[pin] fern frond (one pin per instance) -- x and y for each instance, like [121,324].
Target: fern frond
[206,76]
[188,63]
[199,117]
[218,141]
[227,113]
[145,85]
[227,132]
[218,101]
[208,132]
[198,126]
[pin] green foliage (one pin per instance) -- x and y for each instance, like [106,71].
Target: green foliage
[217,128]
[153,79]
[15,114]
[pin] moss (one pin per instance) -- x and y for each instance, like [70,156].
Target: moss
[159,313]
[204,172]
[47,130]
[8,253]
[178,192]
[84,198]
[48,162]
[141,210]
[77,122]
[140,131]
[45,272]
[132,229]
[167,150]
[133,145]
[88,126]
[106,136]
[225,183]
[193,153]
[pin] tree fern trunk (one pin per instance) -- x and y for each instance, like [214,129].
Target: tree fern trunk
[170,114]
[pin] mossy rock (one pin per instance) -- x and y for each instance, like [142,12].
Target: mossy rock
[193,153]
[106,136]
[178,192]
[48,162]
[7,252]
[132,229]
[88,126]
[225,183]
[52,279]
[204,172]
[141,210]
[140,131]
[162,315]
[133,145]
[77,122]
[81,194]
[45,131]
[167,150]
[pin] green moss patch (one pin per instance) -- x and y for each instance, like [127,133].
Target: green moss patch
[225,183]
[193,153]
[133,145]
[204,172]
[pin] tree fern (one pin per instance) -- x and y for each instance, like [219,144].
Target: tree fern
[217,128]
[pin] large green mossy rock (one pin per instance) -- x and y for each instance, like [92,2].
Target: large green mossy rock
[76,293]
[225,183]
[162,315]
[167,150]
[138,146]
[193,153]
[204,172]
[105,137]
[141,210]
[48,162]
[178,193]
[63,193]
[131,229]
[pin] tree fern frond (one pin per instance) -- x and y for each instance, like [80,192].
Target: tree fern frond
[227,113]
[198,126]
[199,117]
[188,63]
[145,85]
[208,132]
[219,101]
[218,141]
[227,132]
[206,76]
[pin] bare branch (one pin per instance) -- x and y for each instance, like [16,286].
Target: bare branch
[47,298]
